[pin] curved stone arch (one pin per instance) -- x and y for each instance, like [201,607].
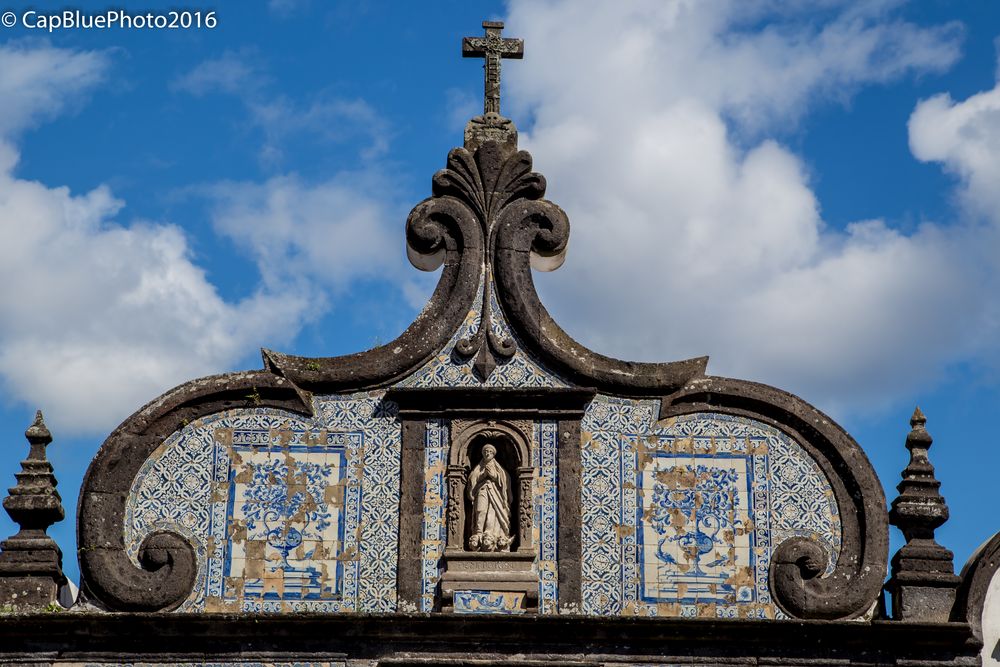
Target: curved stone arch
[439,231]
[485,428]
[799,580]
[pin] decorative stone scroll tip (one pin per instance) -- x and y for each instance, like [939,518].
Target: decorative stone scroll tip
[923,580]
[31,561]
[491,126]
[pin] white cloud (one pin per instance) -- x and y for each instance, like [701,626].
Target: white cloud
[645,117]
[97,316]
[230,73]
[38,81]
[965,138]
[329,233]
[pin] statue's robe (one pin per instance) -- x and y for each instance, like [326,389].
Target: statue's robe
[489,489]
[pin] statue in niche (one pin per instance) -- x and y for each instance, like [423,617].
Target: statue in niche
[490,494]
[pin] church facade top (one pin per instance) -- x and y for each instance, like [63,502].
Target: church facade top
[485,466]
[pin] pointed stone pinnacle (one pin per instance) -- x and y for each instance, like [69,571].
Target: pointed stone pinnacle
[923,580]
[38,436]
[31,561]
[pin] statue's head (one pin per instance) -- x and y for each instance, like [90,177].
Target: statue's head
[489,453]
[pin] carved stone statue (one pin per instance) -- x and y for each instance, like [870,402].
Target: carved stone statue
[490,493]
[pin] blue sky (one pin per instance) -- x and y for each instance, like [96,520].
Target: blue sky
[803,191]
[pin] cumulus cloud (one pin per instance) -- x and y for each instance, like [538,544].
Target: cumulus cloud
[654,123]
[965,138]
[97,315]
[329,233]
[98,312]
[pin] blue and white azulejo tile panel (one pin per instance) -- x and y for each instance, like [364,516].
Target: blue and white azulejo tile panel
[434,534]
[449,369]
[546,513]
[285,513]
[680,517]
[489,602]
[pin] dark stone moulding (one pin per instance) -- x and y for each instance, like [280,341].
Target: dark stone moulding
[976,576]
[411,514]
[450,639]
[798,582]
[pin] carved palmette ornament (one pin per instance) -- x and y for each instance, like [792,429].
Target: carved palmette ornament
[485,182]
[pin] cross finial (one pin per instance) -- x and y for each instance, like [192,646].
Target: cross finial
[492,47]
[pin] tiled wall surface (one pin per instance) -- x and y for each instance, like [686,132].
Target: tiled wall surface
[680,518]
[285,514]
[435,527]
[488,602]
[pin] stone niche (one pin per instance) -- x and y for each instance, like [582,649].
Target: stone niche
[490,554]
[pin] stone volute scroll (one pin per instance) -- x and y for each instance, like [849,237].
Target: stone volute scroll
[801,578]
[489,513]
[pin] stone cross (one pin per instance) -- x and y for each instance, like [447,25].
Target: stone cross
[492,47]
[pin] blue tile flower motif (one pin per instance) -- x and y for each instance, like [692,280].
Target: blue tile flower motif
[680,517]
[285,514]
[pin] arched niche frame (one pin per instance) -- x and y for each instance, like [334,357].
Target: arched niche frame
[514,455]
[798,579]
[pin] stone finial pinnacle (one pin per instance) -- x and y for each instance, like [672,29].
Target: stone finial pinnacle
[30,561]
[923,580]
[38,431]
